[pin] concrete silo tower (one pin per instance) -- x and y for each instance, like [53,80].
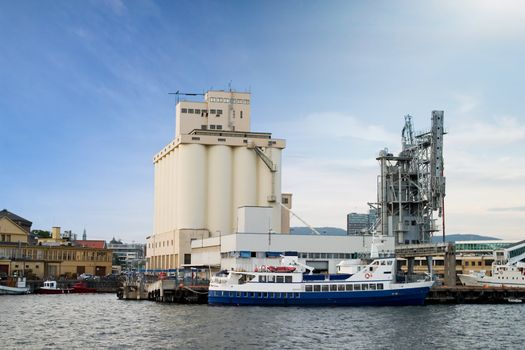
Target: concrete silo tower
[214,166]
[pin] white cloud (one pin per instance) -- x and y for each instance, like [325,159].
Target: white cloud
[482,19]
[502,131]
[339,125]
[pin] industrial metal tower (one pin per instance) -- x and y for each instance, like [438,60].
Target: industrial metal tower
[411,185]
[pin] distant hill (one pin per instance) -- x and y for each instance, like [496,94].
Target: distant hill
[335,231]
[463,237]
[329,231]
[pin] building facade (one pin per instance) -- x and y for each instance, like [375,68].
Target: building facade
[53,261]
[13,228]
[358,224]
[214,165]
[52,257]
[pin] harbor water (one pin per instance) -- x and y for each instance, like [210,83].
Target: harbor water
[101,321]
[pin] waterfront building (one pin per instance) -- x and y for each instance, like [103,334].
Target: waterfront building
[471,256]
[40,261]
[91,243]
[50,257]
[244,251]
[13,228]
[127,254]
[215,165]
[358,224]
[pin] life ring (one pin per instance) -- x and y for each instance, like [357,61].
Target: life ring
[368,275]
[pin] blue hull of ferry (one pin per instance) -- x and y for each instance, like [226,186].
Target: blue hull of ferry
[409,296]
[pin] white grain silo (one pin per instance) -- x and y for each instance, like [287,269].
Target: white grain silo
[220,178]
[191,186]
[244,181]
[214,166]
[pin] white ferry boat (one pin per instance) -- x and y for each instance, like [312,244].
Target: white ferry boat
[293,283]
[501,276]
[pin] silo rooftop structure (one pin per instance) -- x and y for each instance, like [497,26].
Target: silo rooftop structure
[214,166]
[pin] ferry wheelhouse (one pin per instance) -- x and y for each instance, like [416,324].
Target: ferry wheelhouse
[372,284]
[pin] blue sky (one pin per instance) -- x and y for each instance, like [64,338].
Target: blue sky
[84,101]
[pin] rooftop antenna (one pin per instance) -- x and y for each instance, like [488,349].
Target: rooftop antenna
[178,94]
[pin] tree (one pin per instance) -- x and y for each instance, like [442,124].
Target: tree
[41,233]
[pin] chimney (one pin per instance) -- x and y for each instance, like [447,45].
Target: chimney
[55,233]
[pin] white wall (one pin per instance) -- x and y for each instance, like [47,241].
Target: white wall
[254,219]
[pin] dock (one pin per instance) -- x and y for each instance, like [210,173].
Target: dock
[171,291]
[475,295]
[165,290]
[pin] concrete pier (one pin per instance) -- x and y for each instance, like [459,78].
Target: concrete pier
[170,291]
[475,295]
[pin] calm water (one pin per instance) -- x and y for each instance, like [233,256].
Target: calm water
[104,322]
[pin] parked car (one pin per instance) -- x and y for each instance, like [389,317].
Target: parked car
[85,276]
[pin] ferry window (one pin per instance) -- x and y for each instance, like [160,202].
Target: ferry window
[258,295]
[288,279]
[323,255]
[382,262]
[244,294]
[262,278]
[190,110]
[357,287]
[325,288]
[271,278]
[317,288]
[333,287]
[280,279]
[290,295]
[252,294]
[372,286]
[380,286]
[265,295]
[223,294]
[271,295]
[231,294]
[278,295]
[238,294]
[341,287]
[364,286]
[297,295]
[184,110]
[349,287]
[308,288]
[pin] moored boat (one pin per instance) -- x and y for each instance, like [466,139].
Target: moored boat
[510,275]
[81,287]
[50,287]
[372,284]
[20,288]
